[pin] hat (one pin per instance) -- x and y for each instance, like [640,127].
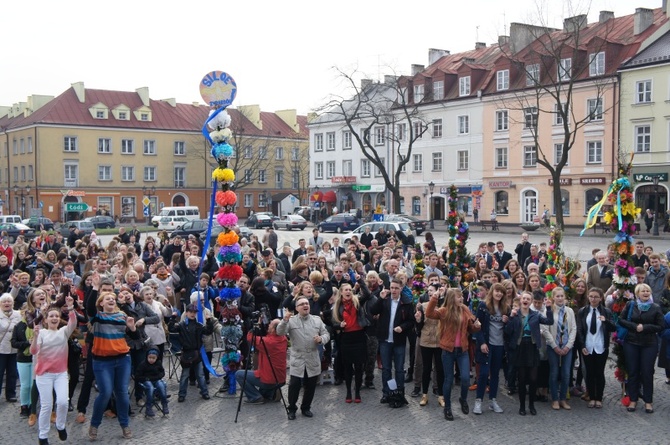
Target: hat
[152,351]
[191,308]
[266,252]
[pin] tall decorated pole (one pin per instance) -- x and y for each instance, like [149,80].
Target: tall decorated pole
[457,257]
[218,90]
[620,213]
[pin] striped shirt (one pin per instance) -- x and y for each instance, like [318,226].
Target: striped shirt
[109,335]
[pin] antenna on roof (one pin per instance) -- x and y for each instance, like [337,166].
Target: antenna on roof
[504,24]
[477,33]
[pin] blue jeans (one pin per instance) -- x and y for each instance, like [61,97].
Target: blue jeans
[461,357]
[559,368]
[158,386]
[26,379]
[111,376]
[254,389]
[199,375]
[492,364]
[392,356]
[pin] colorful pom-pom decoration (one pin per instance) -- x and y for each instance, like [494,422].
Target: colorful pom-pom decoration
[227,219]
[230,293]
[227,238]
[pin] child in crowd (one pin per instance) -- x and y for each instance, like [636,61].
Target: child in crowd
[150,375]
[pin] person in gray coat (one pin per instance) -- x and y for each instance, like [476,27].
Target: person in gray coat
[307,332]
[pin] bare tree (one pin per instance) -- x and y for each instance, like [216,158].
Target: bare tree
[555,63]
[297,166]
[383,123]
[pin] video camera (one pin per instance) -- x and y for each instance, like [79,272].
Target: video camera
[261,319]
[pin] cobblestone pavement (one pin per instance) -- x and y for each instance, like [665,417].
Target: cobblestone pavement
[335,422]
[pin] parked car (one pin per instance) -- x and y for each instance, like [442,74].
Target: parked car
[39,223]
[418,225]
[258,221]
[304,211]
[289,222]
[85,227]
[270,214]
[101,222]
[15,229]
[170,223]
[245,232]
[194,227]
[374,228]
[343,222]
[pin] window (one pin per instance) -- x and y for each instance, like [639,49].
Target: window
[123,116]
[417,164]
[418,130]
[330,141]
[558,153]
[104,172]
[379,136]
[261,177]
[318,142]
[464,86]
[16,147]
[530,118]
[594,152]
[71,175]
[127,173]
[279,179]
[295,179]
[365,168]
[463,124]
[558,117]
[401,158]
[501,157]
[330,169]
[565,69]
[402,204]
[16,174]
[595,109]
[318,170]
[179,148]
[144,116]
[643,90]
[437,128]
[149,147]
[463,160]
[347,167]
[401,131]
[503,80]
[22,144]
[248,200]
[437,162]
[346,140]
[592,196]
[597,64]
[150,174]
[279,153]
[127,147]
[532,74]
[418,93]
[295,154]
[438,90]
[99,114]
[180,176]
[642,138]
[501,199]
[247,176]
[378,172]
[104,145]
[502,120]
[31,173]
[416,205]
[248,152]
[23,173]
[530,156]
[262,152]
[128,206]
[565,200]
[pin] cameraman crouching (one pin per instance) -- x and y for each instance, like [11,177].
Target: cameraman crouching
[264,383]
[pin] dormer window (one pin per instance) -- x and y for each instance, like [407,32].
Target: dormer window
[464,86]
[144,116]
[123,116]
[99,114]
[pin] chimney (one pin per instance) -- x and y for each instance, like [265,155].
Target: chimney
[390,80]
[144,95]
[522,35]
[502,40]
[4,111]
[605,16]
[416,69]
[172,101]
[291,119]
[80,91]
[195,104]
[365,83]
[480,45]
[643,19]
[575,24]
[436,54]
[37,101]
[664,6]
[253,113]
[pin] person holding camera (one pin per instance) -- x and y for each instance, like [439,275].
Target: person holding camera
[265,382]
[307,332]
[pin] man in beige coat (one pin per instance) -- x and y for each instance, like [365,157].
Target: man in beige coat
[307,332]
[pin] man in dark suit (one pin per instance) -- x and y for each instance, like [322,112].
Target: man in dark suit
[600,275]
[339,250]
[522,249]
[501,256]
[483,252]
[301,250]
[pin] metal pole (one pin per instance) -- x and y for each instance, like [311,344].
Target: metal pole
[655,232]
[432,212]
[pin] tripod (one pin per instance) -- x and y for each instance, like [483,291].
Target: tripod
[252,347]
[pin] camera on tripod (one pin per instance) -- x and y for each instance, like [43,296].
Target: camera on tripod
[261,320]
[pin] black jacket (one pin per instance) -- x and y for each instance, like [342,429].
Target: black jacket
[191,332]
[652,322]
[149,372]
[20,341]
[582,328]
[404,317]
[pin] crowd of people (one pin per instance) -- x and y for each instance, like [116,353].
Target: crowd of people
[347,309]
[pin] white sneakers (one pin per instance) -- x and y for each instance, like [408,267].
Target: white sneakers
[478,406]
[493,406]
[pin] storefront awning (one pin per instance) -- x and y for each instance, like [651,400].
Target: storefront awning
[329,197]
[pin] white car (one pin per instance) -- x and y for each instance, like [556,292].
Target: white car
[170,223]
[375,226]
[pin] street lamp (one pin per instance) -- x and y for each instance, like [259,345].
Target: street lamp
[431,188]
[318,209]
[22,192]
[655,232]
[149,192]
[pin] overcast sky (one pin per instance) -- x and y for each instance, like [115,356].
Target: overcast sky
[281,54]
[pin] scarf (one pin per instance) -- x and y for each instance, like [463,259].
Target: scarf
[643,307]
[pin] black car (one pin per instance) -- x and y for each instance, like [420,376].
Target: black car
[245,232]
[101,222]
[259,221]
[194,227]
[13,230]
[270,214]
[416,224]
[344,222]
[40,223]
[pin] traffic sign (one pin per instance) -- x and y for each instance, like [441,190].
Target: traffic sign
[317,204]
[145,201]
[145,210]
[76,207]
